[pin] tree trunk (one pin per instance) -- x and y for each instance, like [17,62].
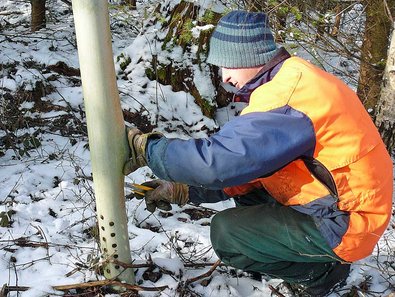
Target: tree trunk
[336,26]
[131,4]
[385,116]
[38,15]
[373,52]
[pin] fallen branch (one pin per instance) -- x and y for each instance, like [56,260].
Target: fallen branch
[204,275]
[7,289]
[146,265]
[66,2]
[107,283]
[7,12]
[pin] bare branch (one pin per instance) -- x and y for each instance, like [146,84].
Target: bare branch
[204,275]
[108,283]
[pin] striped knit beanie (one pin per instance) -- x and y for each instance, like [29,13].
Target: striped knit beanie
[241,40]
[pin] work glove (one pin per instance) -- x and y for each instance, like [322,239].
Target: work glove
[164,194]
[137,144]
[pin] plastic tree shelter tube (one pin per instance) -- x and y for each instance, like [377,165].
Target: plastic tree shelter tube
[106,131]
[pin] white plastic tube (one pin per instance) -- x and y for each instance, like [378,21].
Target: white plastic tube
[106,130]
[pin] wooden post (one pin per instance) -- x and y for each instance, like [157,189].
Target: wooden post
[38,15]
[106,130]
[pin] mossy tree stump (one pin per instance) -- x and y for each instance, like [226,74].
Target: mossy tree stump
[183,33]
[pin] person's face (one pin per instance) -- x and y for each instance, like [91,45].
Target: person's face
[238,77]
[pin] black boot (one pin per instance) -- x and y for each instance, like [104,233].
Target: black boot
[335,278]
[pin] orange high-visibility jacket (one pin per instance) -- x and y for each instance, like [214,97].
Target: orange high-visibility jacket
[354,166]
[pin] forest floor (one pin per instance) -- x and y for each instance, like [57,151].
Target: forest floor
[48,228]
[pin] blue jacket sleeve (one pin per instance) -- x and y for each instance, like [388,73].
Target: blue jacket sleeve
[247,147]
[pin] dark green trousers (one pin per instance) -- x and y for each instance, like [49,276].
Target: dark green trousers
[261,235]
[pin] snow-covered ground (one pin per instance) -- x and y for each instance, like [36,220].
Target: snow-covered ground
[47,208]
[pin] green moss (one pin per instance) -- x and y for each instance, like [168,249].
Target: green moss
[207,108]
[186,36]
[161,74]
[177,78]
[209,17]
[293,45]
[381,64]
[150,73]
[166,41]
[282,10]
[296,33]
[161,19]
[272,3]
[123,61]
[297,13]
[6,218]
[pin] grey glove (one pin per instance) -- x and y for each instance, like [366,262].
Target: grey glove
[164,194]
[137,144]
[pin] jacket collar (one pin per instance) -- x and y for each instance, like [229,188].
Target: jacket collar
[266,74]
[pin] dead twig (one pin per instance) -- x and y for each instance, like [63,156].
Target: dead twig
[108,283]
[204,275]
[7,12]
[66,2]
[7,289]
[388,11]
[146,265]
[2,291]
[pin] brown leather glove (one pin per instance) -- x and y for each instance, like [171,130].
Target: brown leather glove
[164,194]
[137,144]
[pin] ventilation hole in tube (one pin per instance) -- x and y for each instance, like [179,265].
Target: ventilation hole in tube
[102,217]
[103,228]
[104,239]
[105,250]
[117,266]
[108,270]
[116,256]
[112,234]
[114,245]
[111,224]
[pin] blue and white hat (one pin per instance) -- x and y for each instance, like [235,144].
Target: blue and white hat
[242,39]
